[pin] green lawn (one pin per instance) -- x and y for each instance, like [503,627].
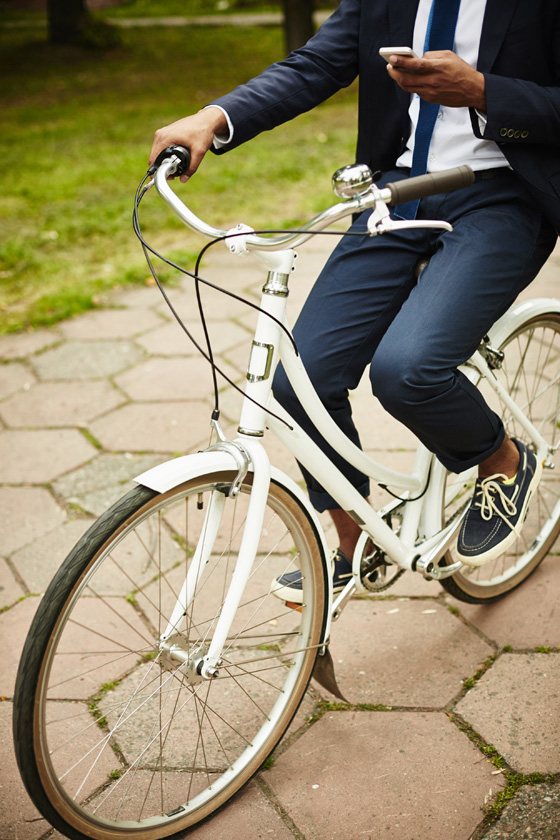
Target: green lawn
[163,8]
[75,130]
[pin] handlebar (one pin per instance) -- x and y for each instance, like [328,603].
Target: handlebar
[432,183]
[175,160]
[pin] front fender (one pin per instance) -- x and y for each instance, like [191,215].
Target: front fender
[172,473]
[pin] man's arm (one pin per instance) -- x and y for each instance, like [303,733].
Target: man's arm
[195,132]
[306,77]
[328,62]
[521,112]
[517,110]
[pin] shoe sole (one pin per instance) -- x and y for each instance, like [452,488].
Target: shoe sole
[288,594]
[499,549]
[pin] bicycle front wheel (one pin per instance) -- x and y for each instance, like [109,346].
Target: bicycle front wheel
[531,376]
[118,734]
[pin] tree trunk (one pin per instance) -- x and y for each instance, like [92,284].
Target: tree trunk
[66,19]
[298,22]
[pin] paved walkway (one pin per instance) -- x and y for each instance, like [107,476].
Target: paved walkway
[88,404]
[238,19]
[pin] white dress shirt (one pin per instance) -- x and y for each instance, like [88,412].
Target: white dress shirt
[453,141]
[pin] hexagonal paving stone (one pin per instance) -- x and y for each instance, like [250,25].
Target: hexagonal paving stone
[516,707]
[19,819]
[86,359]
[110,323]
[10,589]
[375,424]
[14,626]
[232,718]
[409,653]
[249,816]
[534,814]
[16,346]
[393,775]
[60,404]
[101,482]
[170,379]
[137,297]
[38,562]
[217,306]
[34,457]
[529,616]
[172,341]
[239,357]
[25,514]
[14,377]
[154,427]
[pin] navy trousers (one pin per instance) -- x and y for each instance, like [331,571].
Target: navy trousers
[367,308]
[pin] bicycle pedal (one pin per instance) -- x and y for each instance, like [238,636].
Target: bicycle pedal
[292,606]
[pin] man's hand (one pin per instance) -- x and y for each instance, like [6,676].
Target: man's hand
[195,132]
[442,77]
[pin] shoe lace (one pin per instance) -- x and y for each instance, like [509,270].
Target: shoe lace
[490,488]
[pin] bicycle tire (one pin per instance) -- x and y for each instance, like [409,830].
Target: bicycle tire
[531,374]
[113,737]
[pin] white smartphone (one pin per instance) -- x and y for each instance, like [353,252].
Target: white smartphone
[387,52]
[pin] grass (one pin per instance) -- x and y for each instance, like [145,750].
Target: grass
[163,8]
[76,128]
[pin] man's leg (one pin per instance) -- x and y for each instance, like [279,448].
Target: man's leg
[498,244]
[362,287]
[465,431]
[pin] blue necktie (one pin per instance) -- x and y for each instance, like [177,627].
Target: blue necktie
[440,35]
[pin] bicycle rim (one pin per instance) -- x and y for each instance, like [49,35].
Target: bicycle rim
[115,735]
[531,375]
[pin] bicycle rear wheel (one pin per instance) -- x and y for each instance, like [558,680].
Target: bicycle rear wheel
[531,375]
[117,735]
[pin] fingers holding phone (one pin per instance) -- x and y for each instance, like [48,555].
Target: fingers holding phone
[440,76]
[393,56]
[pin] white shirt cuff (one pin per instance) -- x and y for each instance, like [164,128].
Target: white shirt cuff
[221,140]
[482,121]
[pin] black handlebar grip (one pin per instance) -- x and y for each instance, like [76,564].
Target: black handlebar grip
[433,183]
[180,152]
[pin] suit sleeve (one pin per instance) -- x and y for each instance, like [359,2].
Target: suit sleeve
[523,107]
[521,112]
[308,76]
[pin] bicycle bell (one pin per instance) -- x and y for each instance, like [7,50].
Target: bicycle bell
[352,180]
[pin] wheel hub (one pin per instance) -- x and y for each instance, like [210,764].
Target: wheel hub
[178,654]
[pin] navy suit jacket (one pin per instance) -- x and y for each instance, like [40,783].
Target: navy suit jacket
[519,56]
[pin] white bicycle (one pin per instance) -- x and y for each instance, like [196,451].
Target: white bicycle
[161,670]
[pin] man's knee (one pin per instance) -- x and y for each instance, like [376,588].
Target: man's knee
[398,381]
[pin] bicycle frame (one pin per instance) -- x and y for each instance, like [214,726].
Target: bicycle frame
[421,541]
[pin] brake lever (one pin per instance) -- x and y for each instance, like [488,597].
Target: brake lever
[381,222]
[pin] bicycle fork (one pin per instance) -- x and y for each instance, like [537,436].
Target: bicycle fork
[204,662]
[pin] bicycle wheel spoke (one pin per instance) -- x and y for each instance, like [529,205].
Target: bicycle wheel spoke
[244,672]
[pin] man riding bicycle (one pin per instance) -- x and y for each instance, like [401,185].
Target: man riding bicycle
[485,92]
